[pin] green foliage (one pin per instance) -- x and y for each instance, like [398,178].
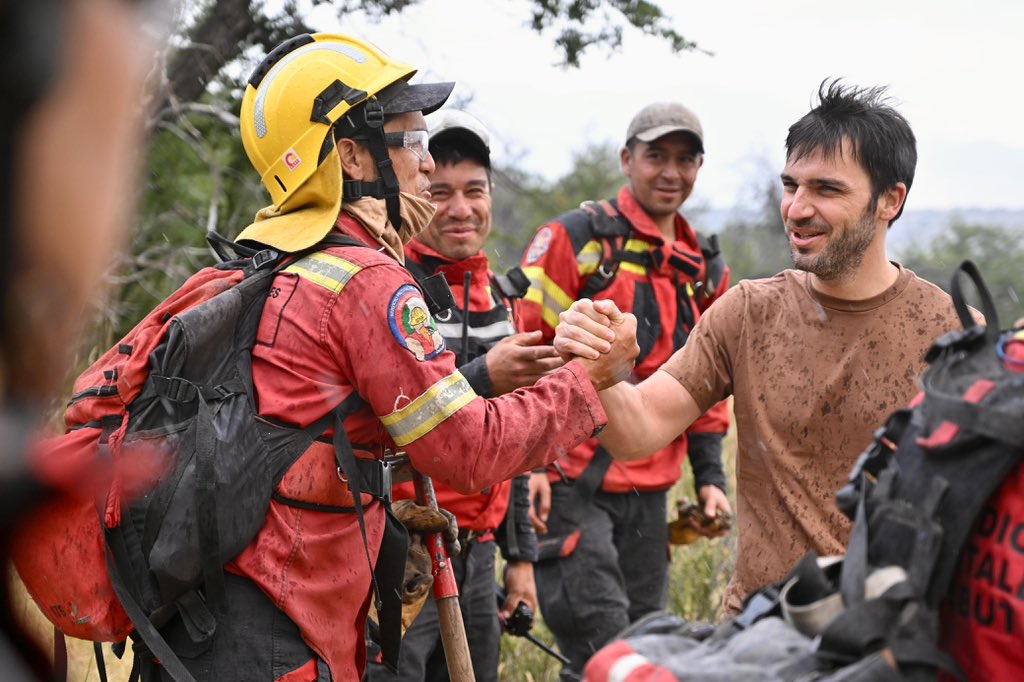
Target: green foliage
[997,251]
[197,178]
[578,30]
[580,24]
[756,245]
[523,202]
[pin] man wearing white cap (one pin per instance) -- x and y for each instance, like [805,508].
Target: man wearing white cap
[494,359]
[604,559]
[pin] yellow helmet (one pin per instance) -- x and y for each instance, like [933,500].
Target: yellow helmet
[305,88]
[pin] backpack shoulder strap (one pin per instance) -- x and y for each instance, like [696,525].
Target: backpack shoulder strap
[714,262]
[611,229]
[513,284]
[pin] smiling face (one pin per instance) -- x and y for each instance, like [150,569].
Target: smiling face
[831,219]
[462,193]
[662,172]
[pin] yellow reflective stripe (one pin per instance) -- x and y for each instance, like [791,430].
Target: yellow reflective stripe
[638,246]
[548,295]
[433,406]
[325,270]
[589,258]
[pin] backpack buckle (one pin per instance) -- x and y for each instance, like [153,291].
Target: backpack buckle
[261,258]
[386,478]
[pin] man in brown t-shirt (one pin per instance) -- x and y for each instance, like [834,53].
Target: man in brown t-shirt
[815,358]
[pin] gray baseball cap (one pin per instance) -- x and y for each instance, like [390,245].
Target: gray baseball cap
[661,118]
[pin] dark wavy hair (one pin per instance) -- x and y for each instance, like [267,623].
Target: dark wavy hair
[880,137]
[454,146]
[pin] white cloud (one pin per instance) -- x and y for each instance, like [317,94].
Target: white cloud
[953,67]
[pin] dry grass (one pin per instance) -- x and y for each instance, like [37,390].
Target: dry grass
[698,575]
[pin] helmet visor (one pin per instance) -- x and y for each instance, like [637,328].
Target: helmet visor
[402,97]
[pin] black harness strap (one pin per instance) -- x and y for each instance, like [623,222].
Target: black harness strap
[387,576]
[590,480]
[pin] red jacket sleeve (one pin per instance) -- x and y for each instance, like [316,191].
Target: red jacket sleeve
[382,336]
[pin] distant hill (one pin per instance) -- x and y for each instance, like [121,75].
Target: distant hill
[913,227]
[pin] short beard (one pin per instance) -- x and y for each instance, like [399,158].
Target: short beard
[843,254]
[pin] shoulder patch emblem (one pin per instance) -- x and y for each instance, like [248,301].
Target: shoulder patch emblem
[412,325]
[539,246]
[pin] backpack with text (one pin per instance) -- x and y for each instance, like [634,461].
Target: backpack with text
[914,496]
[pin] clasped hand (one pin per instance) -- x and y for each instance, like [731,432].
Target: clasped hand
[601,337]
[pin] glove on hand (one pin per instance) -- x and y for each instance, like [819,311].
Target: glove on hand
[419,575]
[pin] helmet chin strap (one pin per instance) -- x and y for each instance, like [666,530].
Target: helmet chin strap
[386,186]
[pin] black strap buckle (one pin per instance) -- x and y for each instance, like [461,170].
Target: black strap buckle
[373,113]
[386,478]
[761,604]
[263,258]
[377,478]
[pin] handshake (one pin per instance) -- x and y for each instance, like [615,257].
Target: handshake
[601,338]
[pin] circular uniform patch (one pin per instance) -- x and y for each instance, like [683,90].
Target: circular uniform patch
[412,325]
[539,246]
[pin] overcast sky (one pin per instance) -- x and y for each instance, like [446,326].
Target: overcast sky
[954,68]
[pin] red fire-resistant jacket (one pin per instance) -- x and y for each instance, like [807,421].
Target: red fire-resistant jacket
[351,319]
[490,321]
[559,262]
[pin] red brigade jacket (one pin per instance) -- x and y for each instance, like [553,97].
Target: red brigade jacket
[489,321]
[351,319]
[666,300]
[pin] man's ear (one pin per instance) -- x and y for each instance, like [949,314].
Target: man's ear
[356,163]
[625,156]
[891,201]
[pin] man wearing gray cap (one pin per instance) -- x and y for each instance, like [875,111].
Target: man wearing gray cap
[481,329]
[603,556]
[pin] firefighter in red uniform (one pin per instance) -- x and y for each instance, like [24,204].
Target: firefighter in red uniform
[494,359]
[604,560]
[338,136]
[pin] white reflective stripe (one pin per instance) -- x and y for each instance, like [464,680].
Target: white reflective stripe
[545,293]
[426,411]
[590,254]
[259,118]
[453,330]
[626,666]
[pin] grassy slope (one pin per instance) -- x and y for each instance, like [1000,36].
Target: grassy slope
[698,575]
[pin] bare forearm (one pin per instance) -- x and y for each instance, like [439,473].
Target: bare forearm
[644,418]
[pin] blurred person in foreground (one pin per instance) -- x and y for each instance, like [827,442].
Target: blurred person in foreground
[70,131]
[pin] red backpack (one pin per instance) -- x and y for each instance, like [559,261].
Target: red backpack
[165,471]
[66,531]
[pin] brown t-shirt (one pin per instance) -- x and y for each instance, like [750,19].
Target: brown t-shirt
[812,378]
